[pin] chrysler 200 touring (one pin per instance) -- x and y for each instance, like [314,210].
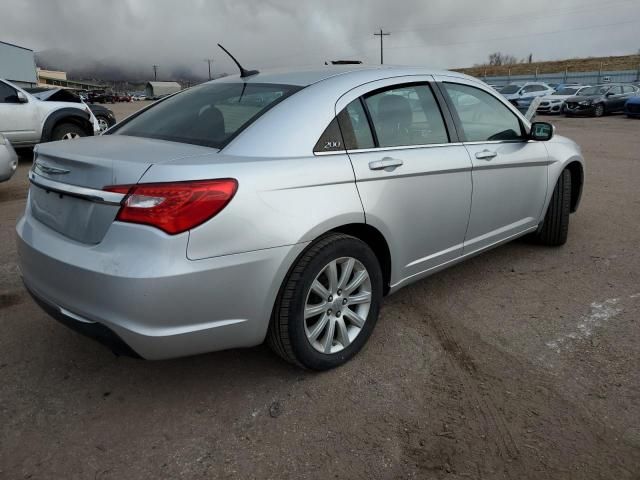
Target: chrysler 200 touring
[284,206]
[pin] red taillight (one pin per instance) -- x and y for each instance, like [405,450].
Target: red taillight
[174,207]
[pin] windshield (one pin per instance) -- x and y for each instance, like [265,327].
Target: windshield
[511,89]
[209,115]
[567,91]
[597,90]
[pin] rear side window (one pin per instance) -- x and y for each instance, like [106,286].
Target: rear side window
[483,117]
[209,115]
[348,131]
[406,115]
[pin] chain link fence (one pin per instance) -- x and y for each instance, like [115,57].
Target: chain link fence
[584,78]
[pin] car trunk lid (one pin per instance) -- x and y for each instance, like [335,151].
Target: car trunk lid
[68,178]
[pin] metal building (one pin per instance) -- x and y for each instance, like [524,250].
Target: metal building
[156,89]
[18,65]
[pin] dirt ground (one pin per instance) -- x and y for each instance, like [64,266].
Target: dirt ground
[522,363]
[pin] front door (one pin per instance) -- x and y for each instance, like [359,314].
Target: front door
[509,171]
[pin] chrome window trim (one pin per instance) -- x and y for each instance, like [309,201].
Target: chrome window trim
[385,149]
[98,196]
[428,145]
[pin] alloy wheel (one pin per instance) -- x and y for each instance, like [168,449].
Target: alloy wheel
[337,305]
[102,124]
[70,136]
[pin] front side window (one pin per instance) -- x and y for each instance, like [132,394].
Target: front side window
[482,116]
[406,115]
[8,94]
[616,90]
[597,90]
[209,115]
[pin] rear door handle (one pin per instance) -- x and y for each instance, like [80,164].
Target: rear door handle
[486,155]
[386,162]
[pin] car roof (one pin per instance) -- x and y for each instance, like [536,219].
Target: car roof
[304,77]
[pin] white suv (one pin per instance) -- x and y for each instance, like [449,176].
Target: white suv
[25,120]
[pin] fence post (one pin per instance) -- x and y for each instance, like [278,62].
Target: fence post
[509,77]
[600,73]
[566,72]
[536,74]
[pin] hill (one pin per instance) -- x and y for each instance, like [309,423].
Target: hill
[625,62]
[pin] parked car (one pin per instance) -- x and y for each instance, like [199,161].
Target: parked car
[554,103]
[101,96]
[632,107]
[104,116]
[521,95]
[8,159]
[26,120]
[600,99]
[203,224]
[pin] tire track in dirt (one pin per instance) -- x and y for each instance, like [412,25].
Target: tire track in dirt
[10,299]
[485,407]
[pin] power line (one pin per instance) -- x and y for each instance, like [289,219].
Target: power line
[552,32]
[381,35]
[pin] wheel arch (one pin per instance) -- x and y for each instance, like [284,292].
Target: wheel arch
[577,181]
[66,115]
[376,241]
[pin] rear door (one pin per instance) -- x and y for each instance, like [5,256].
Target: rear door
[413,177]
[18,121]
[509,171]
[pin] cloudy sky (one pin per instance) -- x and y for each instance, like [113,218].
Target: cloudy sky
[274,33]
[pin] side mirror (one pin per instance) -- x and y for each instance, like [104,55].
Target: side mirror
[541,131]
[609,94]
[22,98]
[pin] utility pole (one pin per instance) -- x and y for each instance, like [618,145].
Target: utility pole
[209,60]
[155,72]
[381,35]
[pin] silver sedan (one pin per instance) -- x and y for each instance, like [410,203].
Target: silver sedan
[284,206]
[8,159]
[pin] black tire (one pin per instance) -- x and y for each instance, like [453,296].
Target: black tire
[63,129]
[287,335]
[599,110]
[555,227]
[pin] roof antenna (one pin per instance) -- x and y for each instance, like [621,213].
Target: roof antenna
[243,73]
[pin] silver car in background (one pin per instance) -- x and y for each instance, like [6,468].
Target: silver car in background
[284,206]
[8,159]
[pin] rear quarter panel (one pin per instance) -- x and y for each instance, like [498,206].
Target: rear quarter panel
[279,201]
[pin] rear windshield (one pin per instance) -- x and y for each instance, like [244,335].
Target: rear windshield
[510,89]
[567,91]
[209,115]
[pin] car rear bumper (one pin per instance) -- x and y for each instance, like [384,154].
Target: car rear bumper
[147,301]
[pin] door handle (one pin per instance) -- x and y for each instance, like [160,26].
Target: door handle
[486,155]
[386,162]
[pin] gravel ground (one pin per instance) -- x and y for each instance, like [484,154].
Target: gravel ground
[519,364]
